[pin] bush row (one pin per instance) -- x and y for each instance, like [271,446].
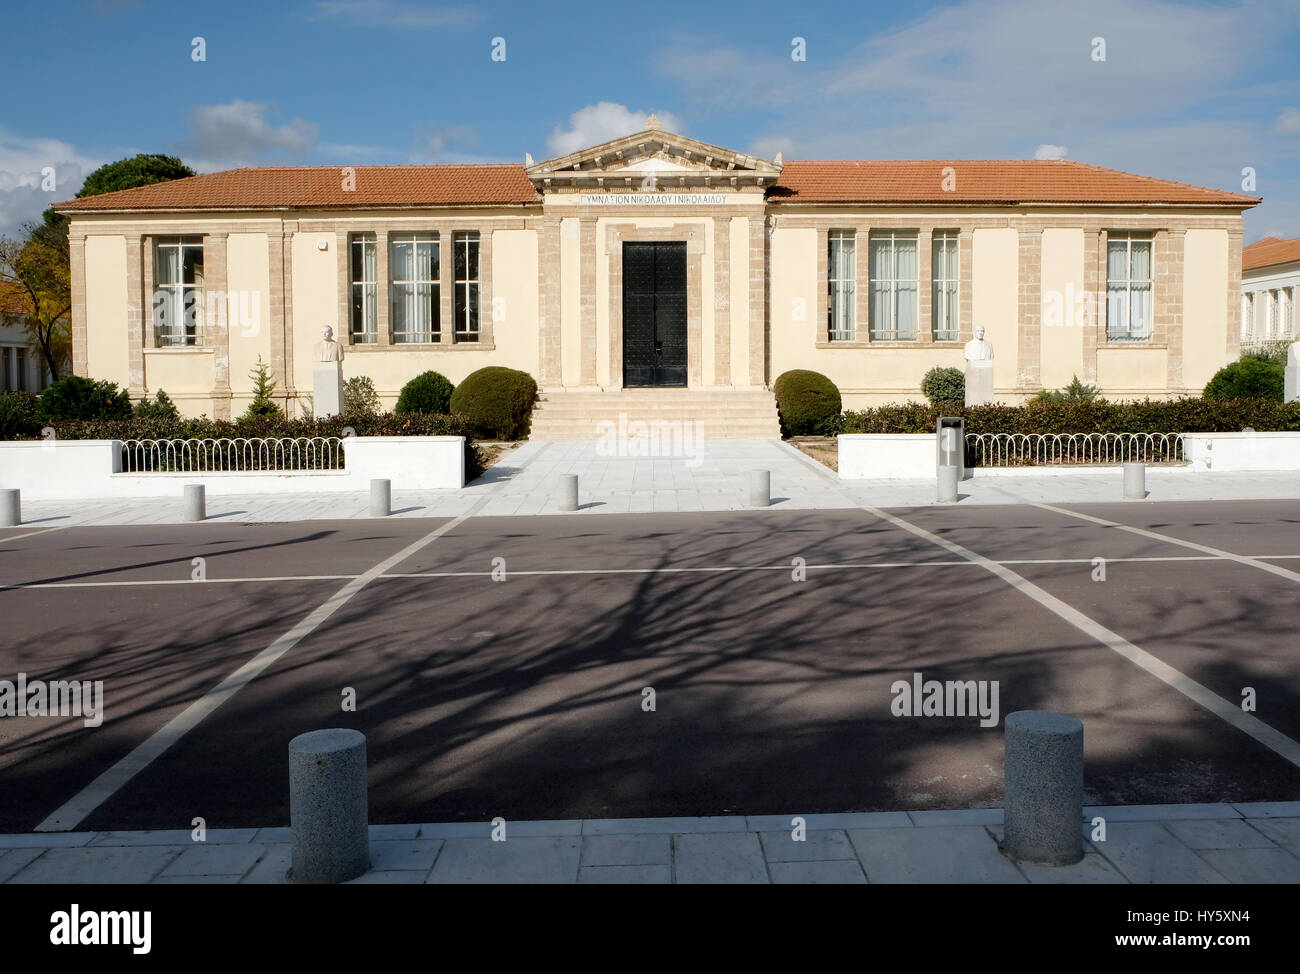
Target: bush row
[1100,416]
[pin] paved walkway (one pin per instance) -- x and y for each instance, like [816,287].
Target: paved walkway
[525,481]
[1256,842]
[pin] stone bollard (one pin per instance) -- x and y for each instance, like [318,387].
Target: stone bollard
[381,498]
[1135,481]
[569,492]
[949,475]
[760,488]
[196,502]
[1043,787]
[11,512]
[328,811]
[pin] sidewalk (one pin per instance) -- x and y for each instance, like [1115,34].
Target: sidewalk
[1253,842]
[526,481]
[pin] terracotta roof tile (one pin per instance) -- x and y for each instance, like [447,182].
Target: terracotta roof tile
[983,181]
[321,187]
[14,300]
[1270,251]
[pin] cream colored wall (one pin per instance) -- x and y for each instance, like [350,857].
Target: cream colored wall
[106,341]
[1129,372]
[739,255]
[1063,315]
[248,272]
[184,374]
[570,302]
[995,268]
[315,301]
[514,294]
[792,295]
[1205,306]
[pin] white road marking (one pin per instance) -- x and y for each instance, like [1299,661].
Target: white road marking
[1228,711]
[30,534]
[75,811]
[1206,549]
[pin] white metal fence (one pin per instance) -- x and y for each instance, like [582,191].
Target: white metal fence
[1032,449]
[237,454]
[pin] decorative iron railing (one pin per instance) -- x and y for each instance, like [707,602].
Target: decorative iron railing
[237,455]
[1037,449]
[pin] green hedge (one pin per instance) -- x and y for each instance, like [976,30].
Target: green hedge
[1251,378]
[428,392]
[382,424]
[807,402]
[496,402]
[1100,416]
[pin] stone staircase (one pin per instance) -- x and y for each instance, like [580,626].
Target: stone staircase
[727,414]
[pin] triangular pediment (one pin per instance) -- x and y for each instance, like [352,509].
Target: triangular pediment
[654,155]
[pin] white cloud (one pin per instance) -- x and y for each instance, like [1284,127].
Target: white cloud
[769,146]
[237,133]
[603,122]
[1288,123]
[435,144]
[1048,151]
[22,160]
[384,13]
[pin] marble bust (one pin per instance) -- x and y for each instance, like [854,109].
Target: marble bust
[979,353]
[327,349]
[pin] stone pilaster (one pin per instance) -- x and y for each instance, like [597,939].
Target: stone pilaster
[343,278]
[290,388]
[1234,294]
[1094,282]
[820,312]
[1029,343]
[384,289]
[965,287]
[549,333]
[587,300]
[217,313]
[447,288]
[1169,290]
[135,298]
[925,285]
[862,284]
[758,300]
[77,268]
[722,301]
[275,300]
[486,335]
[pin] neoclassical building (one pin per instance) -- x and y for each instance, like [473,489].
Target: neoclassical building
[656,269]
[1270,284]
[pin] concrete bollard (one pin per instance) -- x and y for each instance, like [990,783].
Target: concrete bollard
[1135,481]
[1043,787]
[328,809]
[196,502]
[11,512]
[949,475]
[381,498]
[569,492]
[760,488]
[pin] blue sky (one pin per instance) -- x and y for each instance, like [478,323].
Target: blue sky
[1189,91]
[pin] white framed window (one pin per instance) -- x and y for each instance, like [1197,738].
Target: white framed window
[365,289]
[178,291]
[894,284]
[413,266]
[1128,287]
[841,295]
[944,273]
[465,246]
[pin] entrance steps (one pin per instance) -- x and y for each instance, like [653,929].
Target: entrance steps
[729,414]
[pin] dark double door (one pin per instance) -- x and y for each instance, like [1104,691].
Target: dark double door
[654,314]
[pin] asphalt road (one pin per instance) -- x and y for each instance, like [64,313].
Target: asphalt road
[523,697]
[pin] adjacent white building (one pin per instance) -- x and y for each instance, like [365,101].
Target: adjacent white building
[1270,285]
[22,368]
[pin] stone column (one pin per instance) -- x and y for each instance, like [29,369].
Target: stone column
[383,289]
[77,268]
[217,311]
[549,332]
[1029,343]
[862,284]
[485,331]
[925,285]
[820,312]
[135,315]
[1094,281]
[587,299]
[343,279]
[275,299]
[1234,292]
[447,287]
[758,299]
[721,301]
[290,386]
[965,284]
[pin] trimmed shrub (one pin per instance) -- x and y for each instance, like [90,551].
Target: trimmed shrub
[1100,416]
[944,384]
[428,392]
[76,397]
[359,397]
[19,415]
[496,402]
[1251,378]
[807,402]
[161,407]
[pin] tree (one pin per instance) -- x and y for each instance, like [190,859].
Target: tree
[37,270]
[263,386]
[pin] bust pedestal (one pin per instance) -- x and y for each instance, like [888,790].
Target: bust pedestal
[1291,386]
[979,384]
[327,389]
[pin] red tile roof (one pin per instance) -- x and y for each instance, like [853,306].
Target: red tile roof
[984,181]
[14,299]
[981,181]
[321,187]
[1270,251]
